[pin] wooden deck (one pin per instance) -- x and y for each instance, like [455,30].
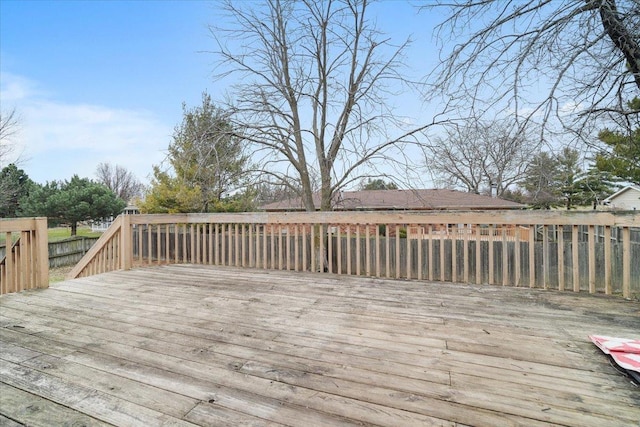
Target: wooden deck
[197,345]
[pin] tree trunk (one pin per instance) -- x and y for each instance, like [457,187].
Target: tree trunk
[621,37]
[74,228]
[320,236]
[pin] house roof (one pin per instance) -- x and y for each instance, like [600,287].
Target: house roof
[622,190]
[428,199]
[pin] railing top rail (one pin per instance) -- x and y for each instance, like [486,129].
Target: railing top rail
[614,218]
[8,225]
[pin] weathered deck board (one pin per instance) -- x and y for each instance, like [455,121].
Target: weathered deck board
[198,345]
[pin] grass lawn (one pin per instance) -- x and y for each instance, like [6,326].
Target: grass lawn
[61,233]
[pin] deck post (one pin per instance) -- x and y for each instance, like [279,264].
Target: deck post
[126,246]
[42,248]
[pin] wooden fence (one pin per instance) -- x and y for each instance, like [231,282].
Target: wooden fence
[25,265]
[65,252]
[578,251]
[69,251]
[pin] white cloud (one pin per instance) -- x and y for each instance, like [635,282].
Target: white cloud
[571,108]
[15,88]
[58,139]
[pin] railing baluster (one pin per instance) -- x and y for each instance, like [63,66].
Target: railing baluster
[419,249]
[574,257]
[408,260]
[387,238]
[560,237]
[465,254]
[139,228]
[443,232]
[348,250]
[626,262]
[213,249]
[454,253]
[312,238]
[592,259]
[252,247]
[368,250]
[289,239]
[304,247]
[607,260]
[223,243]
[263,232]
[158,244]
[236,235]
[338,250]
[431,252]
[243,245]
[273,250]
[330,248]
[280,248]
[296,248]
[505,258]
[358,252]
[532,256]
[396,262]
[478,248]
[491,248]
[545,256]
[167,244]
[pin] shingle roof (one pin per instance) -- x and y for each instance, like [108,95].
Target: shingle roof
[431,199]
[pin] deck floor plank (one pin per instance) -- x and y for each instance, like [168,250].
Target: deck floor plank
[203,345]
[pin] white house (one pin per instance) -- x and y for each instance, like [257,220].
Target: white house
[627,198]
[103,224]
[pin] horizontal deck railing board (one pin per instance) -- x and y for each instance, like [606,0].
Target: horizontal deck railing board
[621,218]
[582,251]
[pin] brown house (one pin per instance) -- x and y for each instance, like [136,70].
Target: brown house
[414,200]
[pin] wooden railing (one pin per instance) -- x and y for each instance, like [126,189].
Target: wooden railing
[26,262]
[579,251]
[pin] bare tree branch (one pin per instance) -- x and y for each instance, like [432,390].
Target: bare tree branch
[566,63]
[9,127]
[481,156]
[118,179]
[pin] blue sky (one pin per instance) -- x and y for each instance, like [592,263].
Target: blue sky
[104,81]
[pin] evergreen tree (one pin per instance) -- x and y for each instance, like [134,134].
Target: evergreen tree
[560,181]
[540,182]
[622,155]
[207,164]
[71,202]
[14,185]
[378,184]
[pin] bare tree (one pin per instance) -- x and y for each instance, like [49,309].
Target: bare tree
[9,127]
[119,180]
[315,80]
[480,157]
[566,62]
